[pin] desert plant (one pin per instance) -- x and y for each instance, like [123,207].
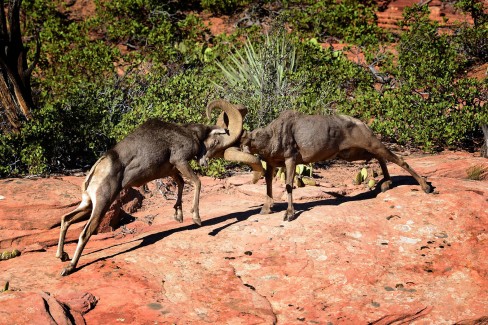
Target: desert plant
[222,6]
[258,76]
[351,20]
[477,172]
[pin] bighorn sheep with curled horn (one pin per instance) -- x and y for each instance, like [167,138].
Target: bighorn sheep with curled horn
[294,138]
[153,150]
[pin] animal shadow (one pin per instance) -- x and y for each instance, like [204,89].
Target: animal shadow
[151,239]
[338,199]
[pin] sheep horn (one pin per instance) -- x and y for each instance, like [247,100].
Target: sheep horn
[234,154]
[231,118]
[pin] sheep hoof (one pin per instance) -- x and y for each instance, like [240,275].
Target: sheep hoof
[427,188]
[67,270]
[289,215]
[385,186]
[265,210]
[64,257]
[178,214]
[178,217]
[197,221]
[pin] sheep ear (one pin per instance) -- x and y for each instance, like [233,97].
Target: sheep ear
[219,131]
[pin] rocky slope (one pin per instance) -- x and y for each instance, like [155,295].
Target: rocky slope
[353,256]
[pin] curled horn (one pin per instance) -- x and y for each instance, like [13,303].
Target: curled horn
[231,118]
[234,153]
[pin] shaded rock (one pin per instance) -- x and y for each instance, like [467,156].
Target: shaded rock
[58,311]
[129,200]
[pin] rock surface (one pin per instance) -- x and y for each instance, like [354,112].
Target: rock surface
[353,256]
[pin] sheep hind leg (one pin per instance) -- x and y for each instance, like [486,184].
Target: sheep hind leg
[384,154]
[268,204]
[178,205]
[81,213]
[187,172]
[386,181]
[290,175]
[100,206]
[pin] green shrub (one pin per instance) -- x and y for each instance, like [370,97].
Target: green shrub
[9,155]
[180,98]
[34,157]
[351,21]
[473,43]
[473,40]
[223,6]
[426,59]
[160,31]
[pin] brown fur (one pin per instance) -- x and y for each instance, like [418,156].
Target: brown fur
[154,150]
[295,138]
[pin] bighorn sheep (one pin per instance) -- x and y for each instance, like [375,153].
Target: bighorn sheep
[294,138]
[153,150]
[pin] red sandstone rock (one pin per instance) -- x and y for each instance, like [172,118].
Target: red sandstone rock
[362,257]
[35,308]
[81,302]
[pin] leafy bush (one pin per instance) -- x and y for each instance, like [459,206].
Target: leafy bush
[180,98]
[159,30]
[426,58]
[223,6]
[473,40]
[473,43]
[69,56]
[352,21]
[9,157]
[328,77]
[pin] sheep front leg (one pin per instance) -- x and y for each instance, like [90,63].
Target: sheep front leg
[290,176]
[178,209]
[187,172]
[268,204]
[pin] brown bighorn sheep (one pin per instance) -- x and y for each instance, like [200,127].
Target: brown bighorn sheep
[294,138]
[153,150]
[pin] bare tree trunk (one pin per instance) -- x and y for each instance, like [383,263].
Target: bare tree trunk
[484,147]
[15,74]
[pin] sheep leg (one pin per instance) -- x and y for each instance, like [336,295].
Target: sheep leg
[268,204]
[386,181]
[400,162]
[187,172]
[82,212]
[290,176]
[380,150]
[178,209]
[100,206]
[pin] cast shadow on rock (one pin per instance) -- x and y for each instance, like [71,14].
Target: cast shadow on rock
[153,238]
[244,215]
[338,199]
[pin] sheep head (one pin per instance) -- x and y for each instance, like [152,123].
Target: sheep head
[226,132]
[232,153]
